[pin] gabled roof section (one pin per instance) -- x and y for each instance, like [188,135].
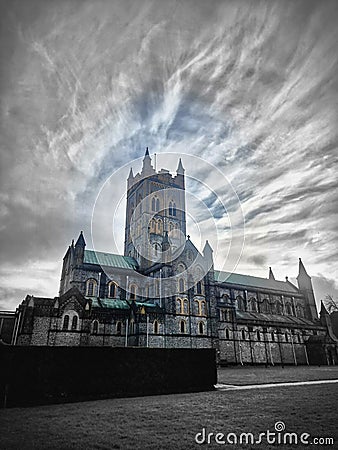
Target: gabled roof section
[254,282]
[80,241]
[286,320]
[109,260]
[190,246]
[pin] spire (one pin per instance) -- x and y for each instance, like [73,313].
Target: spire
[80,241]
[301,271]
[305,287]
[207,248]
[323,310]
[271,275]
[208,256]
[180,169]
[147,168]
[131,174]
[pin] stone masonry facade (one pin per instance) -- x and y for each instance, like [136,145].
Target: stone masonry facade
[164,293]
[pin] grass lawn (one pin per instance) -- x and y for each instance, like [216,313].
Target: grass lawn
[241,375]
[172,421]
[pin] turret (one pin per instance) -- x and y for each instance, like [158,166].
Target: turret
[305,287]
[130,179]
[180,174]
[271,275]
[79,249]
[208,256]
[147,168]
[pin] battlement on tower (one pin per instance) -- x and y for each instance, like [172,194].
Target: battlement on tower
[162,176]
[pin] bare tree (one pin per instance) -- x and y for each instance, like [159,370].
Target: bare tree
[330,304]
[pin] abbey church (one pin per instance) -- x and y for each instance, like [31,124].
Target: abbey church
[163,292]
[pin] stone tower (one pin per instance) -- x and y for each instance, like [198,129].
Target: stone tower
[155,213]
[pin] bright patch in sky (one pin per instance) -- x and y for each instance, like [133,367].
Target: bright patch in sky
[250,87]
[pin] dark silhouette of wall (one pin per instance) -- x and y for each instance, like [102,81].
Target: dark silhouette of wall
[38,375]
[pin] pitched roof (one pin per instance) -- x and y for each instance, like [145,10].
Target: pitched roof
[254,282]
[114,303]
[261,317]
[80,241]
[109,259]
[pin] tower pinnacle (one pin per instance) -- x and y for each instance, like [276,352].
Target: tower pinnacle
[180,168]
[147,168]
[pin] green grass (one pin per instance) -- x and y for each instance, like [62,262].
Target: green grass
[172,421]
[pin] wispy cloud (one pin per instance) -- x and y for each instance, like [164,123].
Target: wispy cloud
[249,86]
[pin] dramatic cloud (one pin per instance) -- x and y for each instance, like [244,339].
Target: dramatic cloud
[249,86]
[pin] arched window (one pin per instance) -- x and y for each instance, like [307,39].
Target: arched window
[157,204]
[286,337]
[181,285]
[199,287]
[253,304]
[201,328]
[140,201]
[74,322]
[174,209]
[288,309]
[95,327]
[240,303]
[258,335]
[153,225]
[153,204]
[203,310]
[91,288]
[273,336]
[118,327]
[157,287]
[179,306]
[279,308]
[226,333]
[65,324]
[170,209]
[112,289]
[182,326]
[132,326]
[170,226]
[133,292]
[156,327]
[159,226]
[225,298]
[243,335]
[185,306]
[265,306]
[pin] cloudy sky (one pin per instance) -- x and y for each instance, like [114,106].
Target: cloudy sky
[249,86]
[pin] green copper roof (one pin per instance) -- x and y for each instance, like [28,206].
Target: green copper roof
[114,303]
[109,259]
[254,282]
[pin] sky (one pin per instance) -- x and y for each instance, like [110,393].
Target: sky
[249,87]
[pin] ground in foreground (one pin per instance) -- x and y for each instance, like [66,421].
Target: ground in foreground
[172,421]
